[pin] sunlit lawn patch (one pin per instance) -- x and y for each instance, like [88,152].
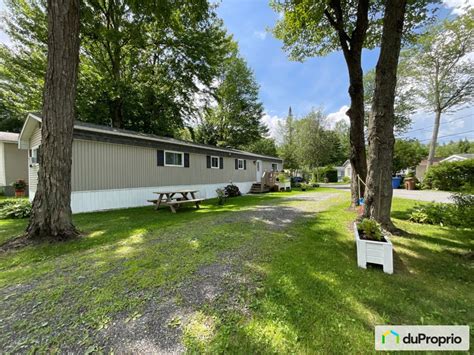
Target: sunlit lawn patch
[306,294]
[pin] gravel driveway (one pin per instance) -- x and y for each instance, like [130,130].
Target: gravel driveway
[419,195]
[170,310]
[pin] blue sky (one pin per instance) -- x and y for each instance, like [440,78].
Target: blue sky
[318,82]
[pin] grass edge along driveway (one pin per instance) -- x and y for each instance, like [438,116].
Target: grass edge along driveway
[290,289]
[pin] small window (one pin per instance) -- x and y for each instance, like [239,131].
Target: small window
[240,164]
[34,156]
[215,162]
[174,159]
[275,167]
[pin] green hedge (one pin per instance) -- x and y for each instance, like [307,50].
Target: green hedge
[454,176]
[15,208]
[457,214]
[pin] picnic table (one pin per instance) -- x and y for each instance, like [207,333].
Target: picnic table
[175,199]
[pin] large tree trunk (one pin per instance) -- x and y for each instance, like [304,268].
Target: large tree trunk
[51,215]
[356,115]
[352,45]
[378,200]
[434,140]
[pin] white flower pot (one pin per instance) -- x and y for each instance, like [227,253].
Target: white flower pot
[370,251]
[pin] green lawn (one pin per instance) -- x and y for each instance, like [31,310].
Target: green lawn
[296,288]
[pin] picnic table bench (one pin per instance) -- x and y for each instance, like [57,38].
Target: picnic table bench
[175,199]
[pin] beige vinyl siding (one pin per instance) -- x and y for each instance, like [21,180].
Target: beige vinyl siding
[267,165]
[103,166]
[3,180]
[16,163]
[35,141]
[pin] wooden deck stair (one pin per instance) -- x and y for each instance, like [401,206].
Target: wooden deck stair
[257,188]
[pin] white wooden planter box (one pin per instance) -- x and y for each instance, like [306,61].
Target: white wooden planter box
[369,251]
[285,186]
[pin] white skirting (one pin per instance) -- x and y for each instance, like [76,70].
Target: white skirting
[88,201]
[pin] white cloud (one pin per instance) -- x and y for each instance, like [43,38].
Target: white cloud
[455,126]
[273,124]
[262,35]
[458,6]
[340,115]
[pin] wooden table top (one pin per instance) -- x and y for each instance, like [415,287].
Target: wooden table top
[174,192]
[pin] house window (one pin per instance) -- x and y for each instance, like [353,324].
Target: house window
[34,155]
[174,159]
[240,164]
[215,162]
[275,167]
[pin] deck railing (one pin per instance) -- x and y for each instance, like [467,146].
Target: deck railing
[268,179]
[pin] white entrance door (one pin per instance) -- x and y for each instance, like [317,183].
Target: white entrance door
[259,170]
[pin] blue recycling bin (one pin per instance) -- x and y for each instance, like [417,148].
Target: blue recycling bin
[396,181]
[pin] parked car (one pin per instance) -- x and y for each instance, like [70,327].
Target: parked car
[297,179]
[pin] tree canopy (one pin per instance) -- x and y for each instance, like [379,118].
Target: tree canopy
[441,69]
[235,119]
[142,63]
[408,153]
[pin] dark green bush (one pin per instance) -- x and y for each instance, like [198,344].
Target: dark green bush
[15,208]
[232,190]
[460,214]
[331,175]
[453,176]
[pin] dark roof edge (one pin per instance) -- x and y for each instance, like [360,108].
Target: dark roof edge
[99,129]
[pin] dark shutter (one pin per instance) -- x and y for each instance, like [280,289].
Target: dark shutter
[186,160]
[245,164]
[38,155]
[160,158]
[236,164]
[221,163]
[208,161]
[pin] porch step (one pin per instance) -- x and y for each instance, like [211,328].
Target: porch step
[257,188]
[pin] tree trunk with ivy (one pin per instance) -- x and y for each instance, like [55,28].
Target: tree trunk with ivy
[378,201]
[51,216]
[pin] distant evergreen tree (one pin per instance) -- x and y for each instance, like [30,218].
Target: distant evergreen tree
[287,151]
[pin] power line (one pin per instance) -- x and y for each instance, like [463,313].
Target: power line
[448,135]
[426,128]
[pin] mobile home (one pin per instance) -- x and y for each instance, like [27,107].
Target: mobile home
[115,168]
[13,162]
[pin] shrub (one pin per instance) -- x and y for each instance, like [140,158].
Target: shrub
[458,214]
[331,175]
[305,186]
[232,190]
[221,195]
[19,184]
[370,229]
[15,208]
[451,176]
[281,177]
[346,179]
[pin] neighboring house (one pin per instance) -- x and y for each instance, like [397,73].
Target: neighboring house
[114,168]
[340,172]
[420,169]
[13,162]
[347,168]
[457,157]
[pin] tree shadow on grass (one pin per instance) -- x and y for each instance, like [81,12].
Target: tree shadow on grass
[109,275]
[315,294]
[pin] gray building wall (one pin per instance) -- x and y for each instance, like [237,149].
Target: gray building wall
[106,166]
[16,163]
[101,166]
[3,180]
